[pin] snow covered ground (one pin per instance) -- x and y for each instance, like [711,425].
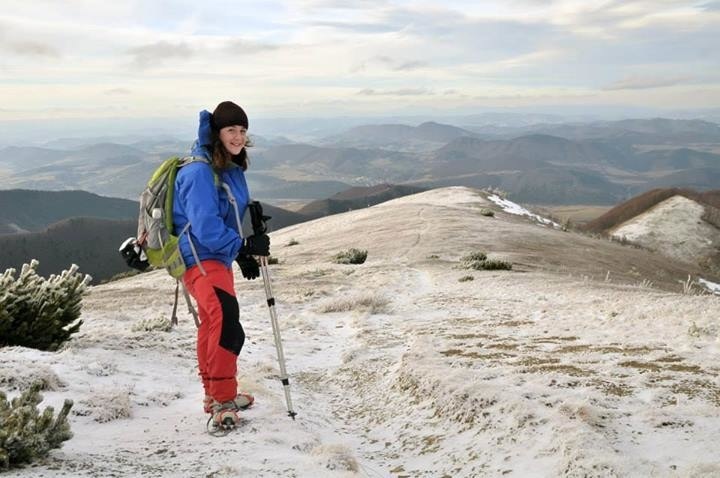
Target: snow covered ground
[514,208]
[398,368]
[675,228]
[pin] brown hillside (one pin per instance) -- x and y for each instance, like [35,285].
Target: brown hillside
[639,204]
[356,198]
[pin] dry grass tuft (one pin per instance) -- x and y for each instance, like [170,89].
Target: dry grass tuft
[351,256]
[372,303]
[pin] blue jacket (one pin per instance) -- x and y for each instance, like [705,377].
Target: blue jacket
[203,202]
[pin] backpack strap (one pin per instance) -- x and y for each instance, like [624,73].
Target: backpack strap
[233,201]
[173,315]
[195,159]
[191,309]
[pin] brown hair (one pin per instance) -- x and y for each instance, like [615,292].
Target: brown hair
[221,157]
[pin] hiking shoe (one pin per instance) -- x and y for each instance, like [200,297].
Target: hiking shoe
[207,403]
[224,416]
[241,402]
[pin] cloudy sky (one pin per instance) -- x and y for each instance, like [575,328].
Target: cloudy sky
[139,58]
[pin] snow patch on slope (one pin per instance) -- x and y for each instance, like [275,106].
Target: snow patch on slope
[513,208]
[673,227]
[711,286]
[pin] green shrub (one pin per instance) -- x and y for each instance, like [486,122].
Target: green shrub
[292,242]
[273,260]
[466,279]
[25,434]
[475,257]
[40,313]
[480,262]
[495,265]
[487,212]
[351,256]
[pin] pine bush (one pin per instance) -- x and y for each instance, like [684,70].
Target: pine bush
[25,433]
[37,312]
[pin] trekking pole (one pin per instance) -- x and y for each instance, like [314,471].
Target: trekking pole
[276,332]
[254,223]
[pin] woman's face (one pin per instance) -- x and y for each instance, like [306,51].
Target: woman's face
[233,138]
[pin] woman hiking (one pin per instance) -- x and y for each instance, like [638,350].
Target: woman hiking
[211,197]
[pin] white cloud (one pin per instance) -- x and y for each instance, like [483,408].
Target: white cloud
[154,54]
[285,53]
[400,92]
[641,83]
[30,49]
[118,91]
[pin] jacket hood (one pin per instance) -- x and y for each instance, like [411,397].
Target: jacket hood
[203,144]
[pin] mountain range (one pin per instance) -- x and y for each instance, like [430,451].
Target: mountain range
[597,163]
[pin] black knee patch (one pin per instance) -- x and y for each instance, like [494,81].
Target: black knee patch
[232,336]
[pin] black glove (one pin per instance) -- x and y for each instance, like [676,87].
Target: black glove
[257,245]
[133,254]
[258,219]
[248,266]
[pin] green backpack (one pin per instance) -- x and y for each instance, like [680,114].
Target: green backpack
[155,222]
[155,225]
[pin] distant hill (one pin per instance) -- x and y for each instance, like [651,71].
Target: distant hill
[629,131]
[681,226]
[309,162]
[35,210]
[356,198]
[109,169]
[398,136]
[281,217]
[675,159]
[698,178]
[471,155]
[267,187]
[90,243]
[639,204]
[541,185]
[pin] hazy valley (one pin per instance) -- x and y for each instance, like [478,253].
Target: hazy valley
[573,163]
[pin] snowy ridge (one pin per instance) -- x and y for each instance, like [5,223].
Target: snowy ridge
[711,286]
[513,208]
[515,373]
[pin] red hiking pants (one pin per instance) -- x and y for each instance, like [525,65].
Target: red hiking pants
[220,336]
